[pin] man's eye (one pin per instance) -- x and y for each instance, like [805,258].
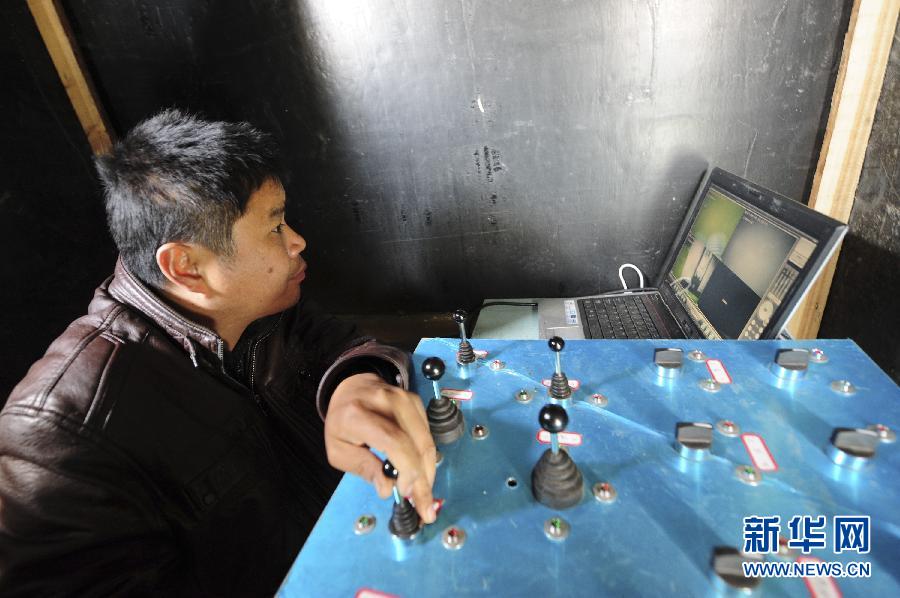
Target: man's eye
[278,228]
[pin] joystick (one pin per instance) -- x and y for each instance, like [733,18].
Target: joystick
[405,521]
[559,384]
[555,480]
[465,354]
[444,418]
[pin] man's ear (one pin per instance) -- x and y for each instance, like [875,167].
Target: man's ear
[181,264]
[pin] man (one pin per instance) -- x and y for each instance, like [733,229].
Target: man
[169,442]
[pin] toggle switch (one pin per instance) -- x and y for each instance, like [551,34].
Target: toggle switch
[790,364]
[693,439]
[668,362]
[853,447]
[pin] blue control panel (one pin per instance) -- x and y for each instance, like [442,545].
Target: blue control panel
[675,453]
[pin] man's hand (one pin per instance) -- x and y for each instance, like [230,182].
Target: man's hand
[365,411]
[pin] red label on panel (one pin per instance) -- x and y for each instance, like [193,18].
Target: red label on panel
[566,438]
[759,452]
[717,371]
[459,395]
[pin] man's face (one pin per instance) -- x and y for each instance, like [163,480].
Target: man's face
[263,275]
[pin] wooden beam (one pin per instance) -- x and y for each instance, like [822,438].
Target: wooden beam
[54,28]
[867,46]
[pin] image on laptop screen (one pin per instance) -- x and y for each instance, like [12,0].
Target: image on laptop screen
[736,266]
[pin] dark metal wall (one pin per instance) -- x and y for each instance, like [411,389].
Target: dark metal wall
[55,249]
[863,303]
[447,151]
[442,152]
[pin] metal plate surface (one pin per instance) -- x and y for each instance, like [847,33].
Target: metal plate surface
[657,537]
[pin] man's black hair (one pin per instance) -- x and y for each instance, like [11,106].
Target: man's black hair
[176,177]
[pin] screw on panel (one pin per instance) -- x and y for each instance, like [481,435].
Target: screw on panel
[524,396]
[885,434]
[697,355]
[557,528]
[844,387]
[479,431]
[453,538]
[364,524]
[604,492]
[817,356]
[709,385]
[726,427]
[496,365]
[748,475]
[598,400]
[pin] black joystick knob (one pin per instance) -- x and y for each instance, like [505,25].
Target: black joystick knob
[433,368]
[556,344]
[459,316]
[553,418]
[389,470]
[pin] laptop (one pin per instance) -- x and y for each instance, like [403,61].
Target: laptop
[739,266]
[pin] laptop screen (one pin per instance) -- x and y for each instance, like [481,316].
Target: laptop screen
[736,266]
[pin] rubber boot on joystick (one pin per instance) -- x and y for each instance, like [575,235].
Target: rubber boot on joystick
[445,420]
[465,354]
[555,480]
[405,520]
[559,384]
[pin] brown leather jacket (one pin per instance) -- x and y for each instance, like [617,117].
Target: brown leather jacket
[131,462]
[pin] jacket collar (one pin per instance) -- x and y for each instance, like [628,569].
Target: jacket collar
[127,288]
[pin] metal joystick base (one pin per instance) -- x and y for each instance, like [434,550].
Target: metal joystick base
[559,387]
[445,420]
[556,481]
[405,520]
[466,354]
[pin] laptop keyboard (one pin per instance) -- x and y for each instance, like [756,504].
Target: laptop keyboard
[617,317]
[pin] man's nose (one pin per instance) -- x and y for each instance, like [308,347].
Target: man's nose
[296,243]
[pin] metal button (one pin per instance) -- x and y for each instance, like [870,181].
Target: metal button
[557,528]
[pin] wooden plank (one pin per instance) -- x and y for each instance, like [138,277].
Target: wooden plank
[55,30]
[857,88]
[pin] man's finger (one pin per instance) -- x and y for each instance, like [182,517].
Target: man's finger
[422,497]
[408,411]
[384,435]
[374,430]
